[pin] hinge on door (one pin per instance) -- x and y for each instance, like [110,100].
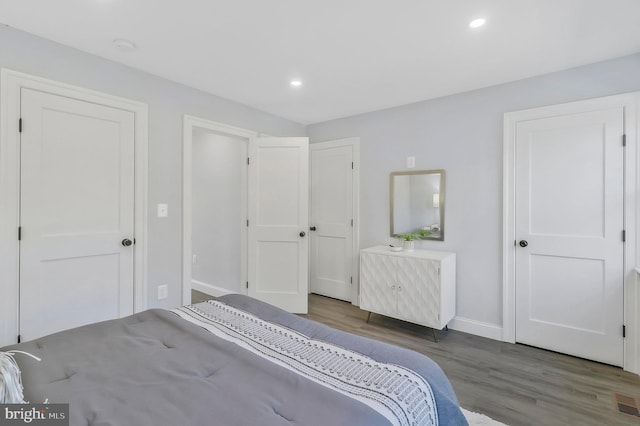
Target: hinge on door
[20,125]
[19,338]
[352,223]
[19,233]
[624,331]
[352,165]
[248,160]
[247,284]
[247,223]
[351,280]
[624,140]
[624,235]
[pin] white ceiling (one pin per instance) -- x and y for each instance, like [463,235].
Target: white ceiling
[353,56]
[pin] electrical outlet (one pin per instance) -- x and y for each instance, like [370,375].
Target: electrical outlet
[194,259]
[163,292]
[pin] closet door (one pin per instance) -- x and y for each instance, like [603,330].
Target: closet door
[77,213]
[332,221]
[569,225]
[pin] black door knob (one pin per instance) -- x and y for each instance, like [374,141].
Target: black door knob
[523,243]
[302,234]
[313,228]
[127,242]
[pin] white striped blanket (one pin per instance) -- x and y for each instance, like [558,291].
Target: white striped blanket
[401,395]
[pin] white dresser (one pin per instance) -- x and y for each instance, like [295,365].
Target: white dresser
[416,286]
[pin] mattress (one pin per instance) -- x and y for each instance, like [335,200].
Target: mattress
[236,361]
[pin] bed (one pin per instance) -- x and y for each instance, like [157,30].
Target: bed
[232,361]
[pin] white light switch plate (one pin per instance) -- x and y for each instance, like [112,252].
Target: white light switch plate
[163,210]
[411,162]
[163,291]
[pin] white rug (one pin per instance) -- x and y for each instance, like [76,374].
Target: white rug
[477,419]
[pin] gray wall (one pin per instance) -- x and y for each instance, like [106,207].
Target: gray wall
[463,135]
[167,103]
[216,209]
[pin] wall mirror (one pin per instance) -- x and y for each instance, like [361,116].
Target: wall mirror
[417,204]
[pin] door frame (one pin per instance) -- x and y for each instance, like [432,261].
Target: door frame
[190,123]
[354,143]
[630,103]
[11,83]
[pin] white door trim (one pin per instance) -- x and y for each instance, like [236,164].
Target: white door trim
[630,103]
[190,123]
[353,142]
[11,83]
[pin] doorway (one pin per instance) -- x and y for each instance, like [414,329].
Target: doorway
[567,264]
[219,206]
[214,208]
[267,235]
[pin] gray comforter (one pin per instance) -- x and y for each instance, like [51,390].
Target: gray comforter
[154,368]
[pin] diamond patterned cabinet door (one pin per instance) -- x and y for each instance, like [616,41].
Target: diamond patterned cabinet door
[418,286]
[418,291]
[380,274]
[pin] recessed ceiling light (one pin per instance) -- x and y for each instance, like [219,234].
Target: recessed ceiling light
[477,23]
[296,83]
[124,45]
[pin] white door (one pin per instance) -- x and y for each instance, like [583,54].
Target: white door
[279,222]
[332,221]
[76,208]
[569,223]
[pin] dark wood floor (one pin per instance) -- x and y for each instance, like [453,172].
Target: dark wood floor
[515,384]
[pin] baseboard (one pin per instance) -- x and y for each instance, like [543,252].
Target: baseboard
[210,289]
[478,328]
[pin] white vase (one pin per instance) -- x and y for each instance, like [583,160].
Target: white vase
[409,245]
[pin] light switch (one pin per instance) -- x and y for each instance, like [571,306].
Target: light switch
[163,292]
[163,210]
[411,162]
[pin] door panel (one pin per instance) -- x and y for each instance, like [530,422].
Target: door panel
[276,269]
[277,172]
[567,161]
[549,296]
[569,209]
[329,264]
[331,215]
[278,222]
[77,198]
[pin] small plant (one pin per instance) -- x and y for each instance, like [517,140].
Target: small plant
[424,233]
[408,236]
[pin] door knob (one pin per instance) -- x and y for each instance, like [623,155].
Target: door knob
[302,234]
[313,228]
[523,243]
[127,242]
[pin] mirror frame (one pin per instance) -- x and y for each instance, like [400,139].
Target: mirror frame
[442,199]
